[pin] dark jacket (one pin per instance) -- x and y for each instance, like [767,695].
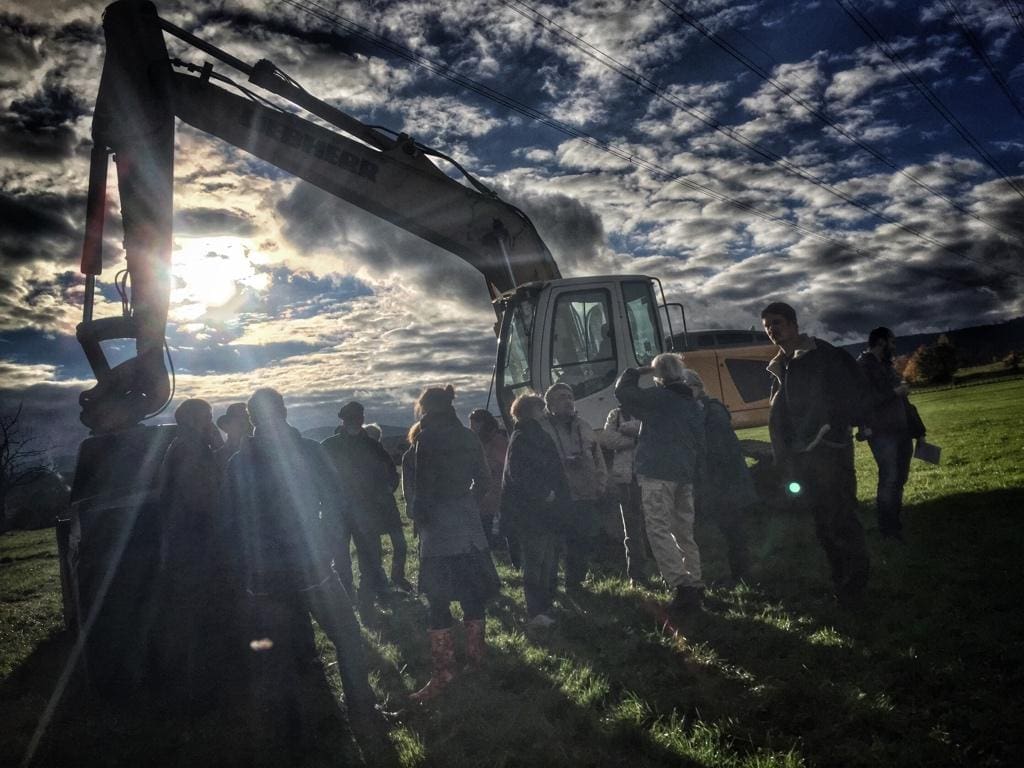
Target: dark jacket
[821,385]
[726,484]
[191,524]
[444,476]
[671,444]
[886,411]
[283,497]
[370,477]
[533,472]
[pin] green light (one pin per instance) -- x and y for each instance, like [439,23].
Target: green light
[794,488]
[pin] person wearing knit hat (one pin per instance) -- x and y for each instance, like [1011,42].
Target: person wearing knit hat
[444,473]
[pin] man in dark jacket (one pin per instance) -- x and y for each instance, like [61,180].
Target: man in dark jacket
[367,473]
[535,501]
[282,494]
[816,397]
[669,457]
[887,428]
[193,641]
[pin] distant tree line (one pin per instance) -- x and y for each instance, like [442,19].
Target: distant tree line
[937,363]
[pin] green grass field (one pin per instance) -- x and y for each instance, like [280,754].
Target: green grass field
[929,673]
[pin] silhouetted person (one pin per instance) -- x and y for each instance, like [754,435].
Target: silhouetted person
[888,428]
[444,473]
[669,458]
[282,494]
[368,474]
[817,395]
[535,505]
[194,570]
[391,522]
[724,492]
[236,425]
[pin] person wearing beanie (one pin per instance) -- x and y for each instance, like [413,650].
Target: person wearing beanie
[444,475]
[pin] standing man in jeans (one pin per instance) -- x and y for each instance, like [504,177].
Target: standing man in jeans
[817,395]
[888,428]
[669,456]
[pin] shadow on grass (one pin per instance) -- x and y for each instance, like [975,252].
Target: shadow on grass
[525,708]
[275,715]
[928,673]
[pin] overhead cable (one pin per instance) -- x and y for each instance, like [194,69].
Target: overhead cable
[1016,13]
[872,33]
[979,51]
[658,172]
[822,115]
[767,154]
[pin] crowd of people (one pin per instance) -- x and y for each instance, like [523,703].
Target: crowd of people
[267,518]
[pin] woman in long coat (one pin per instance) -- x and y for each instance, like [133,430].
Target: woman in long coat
[445,473]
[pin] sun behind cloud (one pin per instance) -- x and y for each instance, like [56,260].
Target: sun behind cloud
[210,272]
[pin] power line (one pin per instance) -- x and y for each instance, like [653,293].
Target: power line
[979,51]
[657,171]
[865,25]
[820,114]
[1014,9]
[660,92]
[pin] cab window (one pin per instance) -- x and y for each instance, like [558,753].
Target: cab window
[516,370]
[643,321]
[583,342]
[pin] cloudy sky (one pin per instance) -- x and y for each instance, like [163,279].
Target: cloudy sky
[742,151]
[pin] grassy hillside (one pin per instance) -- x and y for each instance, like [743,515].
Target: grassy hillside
[770,674]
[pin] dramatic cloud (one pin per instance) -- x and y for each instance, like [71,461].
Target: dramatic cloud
[276,282]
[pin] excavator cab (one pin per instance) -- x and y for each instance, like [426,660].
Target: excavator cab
[583,332]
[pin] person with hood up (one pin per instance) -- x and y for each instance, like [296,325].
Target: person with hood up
[583,462]
[669,458]
[535,501]
[282,495]
[444,475]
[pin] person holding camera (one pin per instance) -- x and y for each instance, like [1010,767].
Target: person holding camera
[669,458]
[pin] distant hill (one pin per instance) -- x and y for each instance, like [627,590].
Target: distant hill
[977,345]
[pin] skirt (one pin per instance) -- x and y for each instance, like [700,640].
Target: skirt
[468,576]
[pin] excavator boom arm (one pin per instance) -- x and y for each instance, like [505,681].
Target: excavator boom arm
[139,98]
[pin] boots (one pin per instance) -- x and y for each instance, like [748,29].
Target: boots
[442,656]
[476,644]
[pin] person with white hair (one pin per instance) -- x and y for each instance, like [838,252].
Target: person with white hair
[725,491]
[669,456]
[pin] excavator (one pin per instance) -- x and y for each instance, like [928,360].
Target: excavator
[581,331]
